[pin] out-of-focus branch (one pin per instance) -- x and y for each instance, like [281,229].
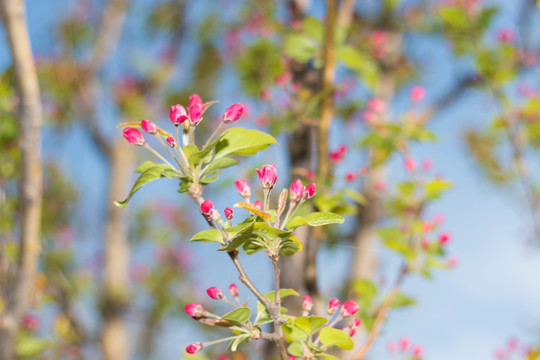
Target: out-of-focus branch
[346,12]
[30,187]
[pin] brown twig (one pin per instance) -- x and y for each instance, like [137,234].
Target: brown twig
[381,314]
[18,293]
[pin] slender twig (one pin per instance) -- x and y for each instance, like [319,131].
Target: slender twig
[277,300]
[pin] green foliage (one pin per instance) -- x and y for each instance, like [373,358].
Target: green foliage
[315,219]
[334,337]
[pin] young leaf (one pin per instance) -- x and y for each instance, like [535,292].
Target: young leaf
[242,142]
[290,246]
[311,324]
[210,235]
[254,210]
[283,293]
[150,174]
[334,337]
[238,316]
[221,163]
[315,219]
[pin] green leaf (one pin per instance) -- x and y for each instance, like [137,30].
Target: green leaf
[221,163]
[335,337]
[29,347]
[242,142]
[296,349]
[364,65]
[315,219]
[435,188]
[456,17]
[366,291]
[403,301]
[310,324]
[283,293]
[300,47]
[356,196]
[328,357]
[145,166]
[149,174]
[238,316]
[236,342]
[271,231]
[241,240]
[290,246]
[210,235]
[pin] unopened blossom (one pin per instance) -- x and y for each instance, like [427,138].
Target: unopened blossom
[410,164]
[309,191]
[307,303]
[148,126]
[228,213]
[177,114]
[453,261]
[376,105]
[349,308]
[506,36]
[333,305]
[195,108]
[418,351]
[404,343]
[206,208]
[194,348]
[391,346]
[233,289]
[268,175]
[243,188]
[30,322]
[233,113]
[350,176]
[215,293]
[134,136]
[296,191]
[258,204]
[337,155]
[171,142]
[417,93]
[444,238]
[196,311]
[427,164]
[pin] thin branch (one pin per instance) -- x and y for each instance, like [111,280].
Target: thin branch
[346,12]
[30,186]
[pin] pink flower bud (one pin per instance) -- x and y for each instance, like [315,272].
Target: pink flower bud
[391,347]
[194,348]
[233,113]
[350,176]
[513,344]
[349,308]
[292,357]
[333,305]
[258,204]
[418,351]
[171,142]
[505,36]
[177,114]
[233,289]
[196,311]
[427,164]
[296,191]
[195,109]
[223,357]
[350,331]
[243,188]
[206,207]
[215,293]
[380,185]
[309,191]
[410,164]
[438,220]
[30,322]
[444,238]
[337,156]
[417,93]
[355,323]
[404,343]
[307,303]
[425,244]
[134,136]
[149,126]
[453,261]
[268,176]
[228,213]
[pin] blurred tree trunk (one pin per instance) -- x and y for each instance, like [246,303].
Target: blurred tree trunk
[17,294]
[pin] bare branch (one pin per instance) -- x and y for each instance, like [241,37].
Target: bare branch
[30,186]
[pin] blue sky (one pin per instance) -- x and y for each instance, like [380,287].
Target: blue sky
[464,313]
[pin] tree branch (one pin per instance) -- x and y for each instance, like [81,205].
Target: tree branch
[30,186]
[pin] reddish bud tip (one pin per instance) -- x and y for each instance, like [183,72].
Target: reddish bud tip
[148,126]
[177,114]
[30,322]
[196,311]
[418,351]
[233,289]
[444,238]
[333,305]
[349,308]
[417,93]
[171,142]
[243,188]
[228,213]
[453,261]
[233,113]
[258,204]
[410,164]
[404,343]
[215,293]
[268,176]
[309,191]
[134,136]
[296,190]
[194,348]
[350,176]
[206,207]
[195,108]
[427,164]
[391,347]
[307,303]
